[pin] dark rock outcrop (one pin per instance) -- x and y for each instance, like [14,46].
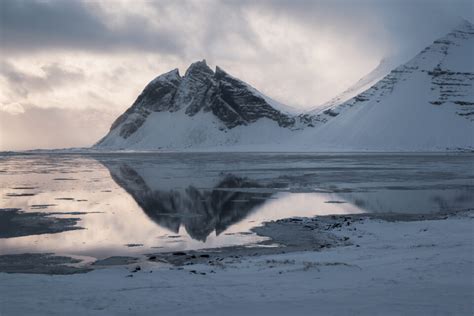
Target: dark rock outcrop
[232,101]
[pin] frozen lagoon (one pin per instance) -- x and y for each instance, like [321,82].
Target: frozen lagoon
[132,204]
[137,204]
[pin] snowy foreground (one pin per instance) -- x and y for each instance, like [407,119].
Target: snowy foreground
[391,268]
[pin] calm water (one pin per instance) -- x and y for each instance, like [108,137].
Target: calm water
[142,203]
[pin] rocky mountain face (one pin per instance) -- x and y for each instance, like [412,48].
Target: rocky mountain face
[232,101]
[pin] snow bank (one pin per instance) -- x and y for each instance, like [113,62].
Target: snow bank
[395,268]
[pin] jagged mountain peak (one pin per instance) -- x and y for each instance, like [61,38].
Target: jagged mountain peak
[221,72]
[223,101]
[172,75]
[199,67]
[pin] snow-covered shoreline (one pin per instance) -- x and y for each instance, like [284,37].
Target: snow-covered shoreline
[415,267]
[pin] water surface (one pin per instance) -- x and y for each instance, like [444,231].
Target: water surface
[132,204]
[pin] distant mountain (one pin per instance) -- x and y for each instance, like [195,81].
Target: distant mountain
[203,108]
[383,68]
[425,104]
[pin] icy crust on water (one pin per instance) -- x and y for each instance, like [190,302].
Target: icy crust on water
[426,104]
[343,263]
[134,204]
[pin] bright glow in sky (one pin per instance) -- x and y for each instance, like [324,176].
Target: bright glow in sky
[68,68]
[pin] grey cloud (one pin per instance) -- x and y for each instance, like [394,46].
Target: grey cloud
[32,25]
[54,75]
[221,23]
[402,26]
[172,33]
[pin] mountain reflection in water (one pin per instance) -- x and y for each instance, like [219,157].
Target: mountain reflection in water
[200,211]
[211,199]
[182,201]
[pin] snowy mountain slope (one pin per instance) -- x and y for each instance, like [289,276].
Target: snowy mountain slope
[383,68]
[202,108]
[425,104]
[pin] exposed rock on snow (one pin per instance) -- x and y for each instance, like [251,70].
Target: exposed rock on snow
[425,104]
[157,96]
[447,63]
[201,91]
[383,68]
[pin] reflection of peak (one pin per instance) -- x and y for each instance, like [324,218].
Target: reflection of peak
[200,211]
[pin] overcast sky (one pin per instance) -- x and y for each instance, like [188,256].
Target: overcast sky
[68,68]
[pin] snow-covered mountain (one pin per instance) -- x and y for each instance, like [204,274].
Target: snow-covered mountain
[425,104]
[383,68]
[201,109]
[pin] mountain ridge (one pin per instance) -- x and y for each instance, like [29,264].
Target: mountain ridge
[407,109]
[231,100]
[424,104]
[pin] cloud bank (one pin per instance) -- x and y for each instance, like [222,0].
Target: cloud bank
[97,56]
